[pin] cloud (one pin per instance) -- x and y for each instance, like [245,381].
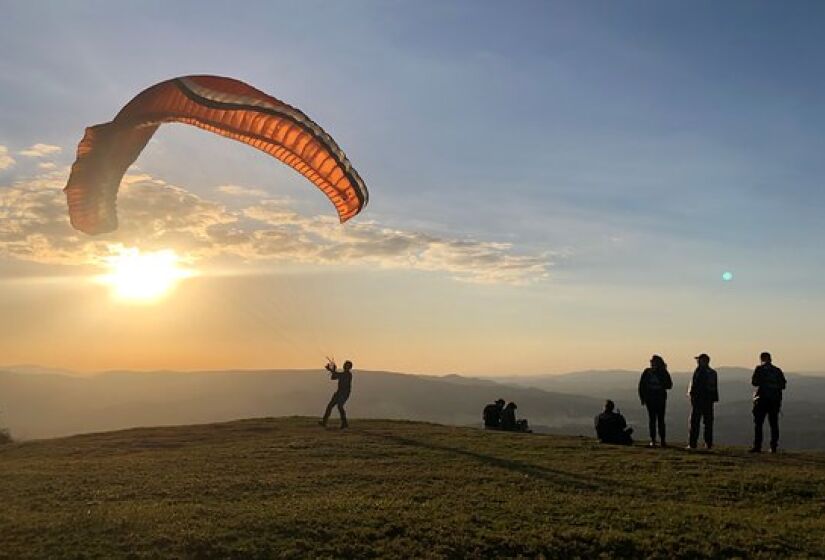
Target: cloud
[321,240]
[34,224]
[47,165]
[6,160]
[237,190]
[156,215]
[40,150]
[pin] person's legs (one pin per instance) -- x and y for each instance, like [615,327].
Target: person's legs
[660,418]
[773,420]
[708,419]
[625,437]
[695,418]
[343,414]
[651,420]
[332,402]
[758,421]
[340,401]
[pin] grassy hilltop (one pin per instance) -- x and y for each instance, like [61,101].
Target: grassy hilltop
[287,488]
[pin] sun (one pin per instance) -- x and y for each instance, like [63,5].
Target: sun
[140,277]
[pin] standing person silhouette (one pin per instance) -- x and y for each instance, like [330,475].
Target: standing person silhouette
[341,395]
[704,392]
[654,384]
[767,400]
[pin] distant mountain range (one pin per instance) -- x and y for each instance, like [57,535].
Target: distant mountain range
[42,402]
[47,404]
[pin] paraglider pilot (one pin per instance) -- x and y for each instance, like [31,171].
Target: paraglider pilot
[341,395]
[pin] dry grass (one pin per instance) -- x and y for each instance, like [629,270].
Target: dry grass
[285,488]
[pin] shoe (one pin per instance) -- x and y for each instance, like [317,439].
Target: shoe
[344,426]
[691,448]
[774,451]
[754,450]
[652,444]
[708,446]
[322,423]
[663,444]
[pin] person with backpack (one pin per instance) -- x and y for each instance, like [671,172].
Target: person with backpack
[510,423]
[492,415]
[767,400]
[704,393]
[611,427]
[654,384]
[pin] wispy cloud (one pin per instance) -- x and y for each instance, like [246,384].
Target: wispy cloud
[156,215]
[6,160]
[40,150]
[237,190]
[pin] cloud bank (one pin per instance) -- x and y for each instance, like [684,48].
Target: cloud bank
[6,160]
[40,150]
[156,215]
[237,190]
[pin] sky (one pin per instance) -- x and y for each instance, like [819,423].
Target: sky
[554,186]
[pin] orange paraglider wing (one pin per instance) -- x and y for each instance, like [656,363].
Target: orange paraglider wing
[224,106]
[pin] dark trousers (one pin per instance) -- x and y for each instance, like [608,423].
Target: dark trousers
[761,408]
[701,412]
[338,399]
[620,438]
[656,418]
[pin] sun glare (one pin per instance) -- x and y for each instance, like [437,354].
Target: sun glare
[143,277]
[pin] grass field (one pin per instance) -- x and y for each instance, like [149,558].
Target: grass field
[270,488]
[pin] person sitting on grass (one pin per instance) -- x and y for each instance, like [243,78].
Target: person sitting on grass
[341,395]
[509,422]
[492,415]
[611,426]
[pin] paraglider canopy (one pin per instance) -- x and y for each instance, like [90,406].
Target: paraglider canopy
[224,106]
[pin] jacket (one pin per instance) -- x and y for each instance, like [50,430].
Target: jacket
[769,382]
[654,385]
[704,385]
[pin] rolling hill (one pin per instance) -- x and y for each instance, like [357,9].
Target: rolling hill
[49,405]
[286,488]
[39,402]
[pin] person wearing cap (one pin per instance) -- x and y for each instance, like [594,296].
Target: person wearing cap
[703,392]
[767,400]
[341,395]
[654,384]
[492,415]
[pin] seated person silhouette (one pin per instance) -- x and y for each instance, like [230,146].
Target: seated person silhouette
[509,422]
[611,426]
[492,415]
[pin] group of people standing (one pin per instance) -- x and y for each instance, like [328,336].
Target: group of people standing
[654,384]
[703,391]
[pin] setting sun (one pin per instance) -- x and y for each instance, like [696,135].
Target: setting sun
[143,277]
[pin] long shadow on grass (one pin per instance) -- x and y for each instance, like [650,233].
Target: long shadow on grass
[562,479]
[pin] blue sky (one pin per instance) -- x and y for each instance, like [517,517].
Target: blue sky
[645,147]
